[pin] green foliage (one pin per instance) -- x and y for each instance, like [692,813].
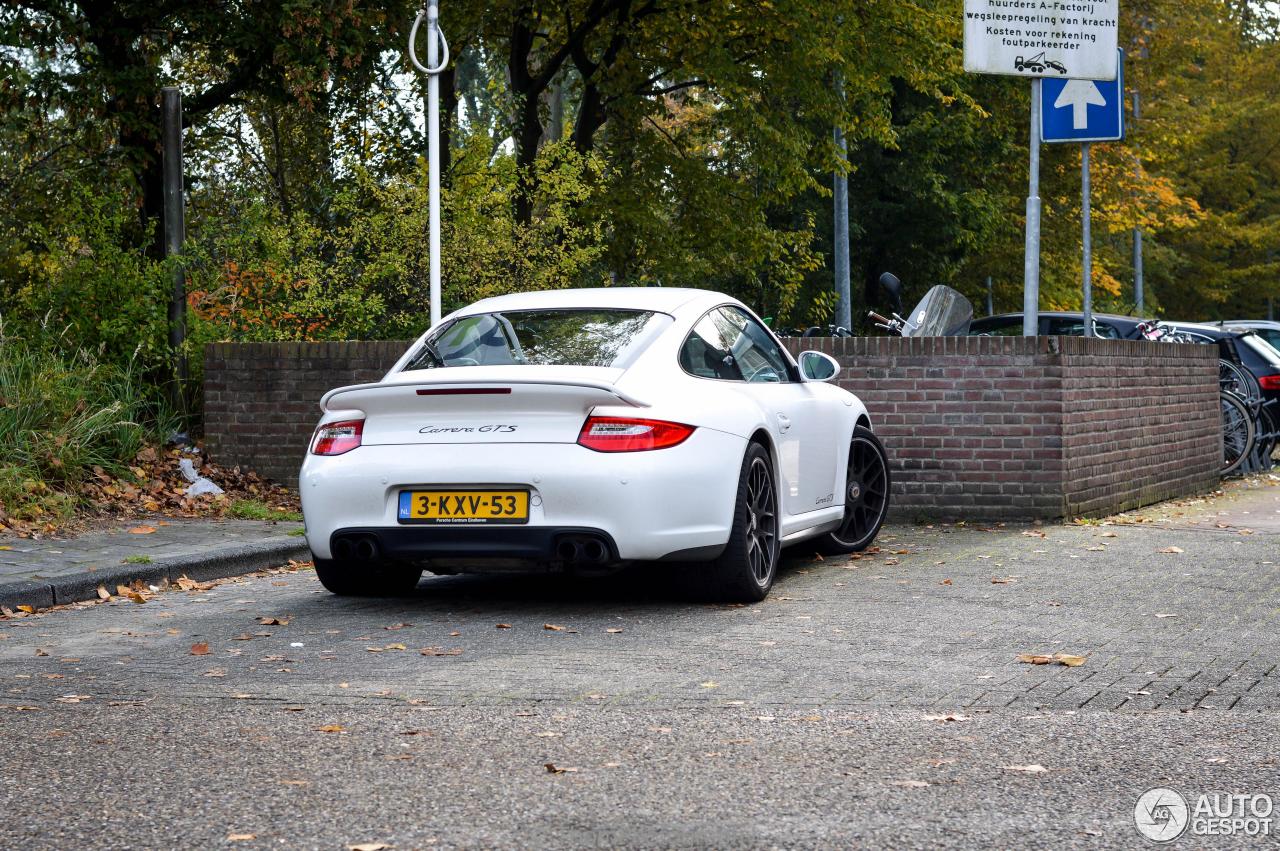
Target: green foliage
[62,416]
[254,509]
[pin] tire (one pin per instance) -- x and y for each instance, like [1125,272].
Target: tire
[366,579]
[745,571]
[866,499]
[1237,432]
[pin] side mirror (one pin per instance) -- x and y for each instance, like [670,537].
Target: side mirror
[819,367]
[890,284]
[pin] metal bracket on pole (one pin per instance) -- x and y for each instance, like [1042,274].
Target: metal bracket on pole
[436,63]
[1031,261]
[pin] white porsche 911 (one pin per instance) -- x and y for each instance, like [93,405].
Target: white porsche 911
[582,430]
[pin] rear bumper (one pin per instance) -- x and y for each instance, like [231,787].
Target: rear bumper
[649,505]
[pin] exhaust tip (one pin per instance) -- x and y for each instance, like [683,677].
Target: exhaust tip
[593,550]
[342,548]
[569,550]
[366,549]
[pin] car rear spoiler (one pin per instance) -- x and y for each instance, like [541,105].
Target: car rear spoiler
[430,388]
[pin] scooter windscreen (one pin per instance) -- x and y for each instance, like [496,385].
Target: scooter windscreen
[943,312]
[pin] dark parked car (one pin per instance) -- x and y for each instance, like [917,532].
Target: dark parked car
[1236,345]
[1053,324]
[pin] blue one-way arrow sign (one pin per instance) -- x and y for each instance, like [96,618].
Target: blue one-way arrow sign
[1083,110]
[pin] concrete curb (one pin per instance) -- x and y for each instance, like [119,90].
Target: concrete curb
[217,563]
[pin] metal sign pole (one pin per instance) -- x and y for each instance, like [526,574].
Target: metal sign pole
[844,309]
[175,235]
[433,155]
[1031,262]
[1138,295]
[1085,217]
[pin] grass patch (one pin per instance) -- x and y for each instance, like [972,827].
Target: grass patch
[297,533]
[256,509]
[63,415]
[137,559]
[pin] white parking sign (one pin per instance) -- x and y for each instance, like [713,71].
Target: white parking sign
[1075,39]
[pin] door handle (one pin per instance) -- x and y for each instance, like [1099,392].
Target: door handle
[784,422]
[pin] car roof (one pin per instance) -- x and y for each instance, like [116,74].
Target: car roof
[1061,314]
[659,299]
[1250,323]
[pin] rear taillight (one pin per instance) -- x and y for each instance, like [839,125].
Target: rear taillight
[1269,382]
[337,438]
[623,434]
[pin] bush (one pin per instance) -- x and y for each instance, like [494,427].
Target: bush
[62,419]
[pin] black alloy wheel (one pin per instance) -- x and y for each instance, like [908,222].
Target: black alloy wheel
[762,525]
[745,571]
[866,496]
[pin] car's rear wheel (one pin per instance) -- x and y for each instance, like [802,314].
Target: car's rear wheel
[366,579]
[744,572]
[866,496]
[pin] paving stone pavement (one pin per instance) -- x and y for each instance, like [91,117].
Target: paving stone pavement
[23,559]
[266,706]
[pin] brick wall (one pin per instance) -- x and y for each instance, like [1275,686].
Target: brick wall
[976,427]
[1036,428]
[262,400]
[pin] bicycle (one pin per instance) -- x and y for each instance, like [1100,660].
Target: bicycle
[1249,430]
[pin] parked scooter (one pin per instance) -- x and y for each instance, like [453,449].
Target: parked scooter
[943,312]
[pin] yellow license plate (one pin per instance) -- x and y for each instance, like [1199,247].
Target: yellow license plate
[464,506]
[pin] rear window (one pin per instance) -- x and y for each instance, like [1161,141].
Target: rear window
[1263,348]
[559,337]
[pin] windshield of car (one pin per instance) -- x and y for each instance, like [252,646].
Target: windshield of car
[560,337]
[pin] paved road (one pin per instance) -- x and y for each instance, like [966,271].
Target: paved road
[804,721]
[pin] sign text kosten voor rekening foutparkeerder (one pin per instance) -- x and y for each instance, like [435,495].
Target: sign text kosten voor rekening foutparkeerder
[1042,13]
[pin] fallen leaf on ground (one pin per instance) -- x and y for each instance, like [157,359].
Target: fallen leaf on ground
[72,698]
[1006,581]
[949,717]
[552,768]
[369,846]
[1170,550]
[945,582]
[1027,769]
[1033,533]
[437,651]
[1166,616]
[31,610]
[331,728]
[40,651]
[499,626]
[103,593]
[200,648]
[710,684]
[241,837]
[142,530]
[397,626]
[553,627]
[1071,661]
[614,629]
[273,621]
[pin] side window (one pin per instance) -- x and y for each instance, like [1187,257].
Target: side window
[1006,328]
[1075,328]
[729,345]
